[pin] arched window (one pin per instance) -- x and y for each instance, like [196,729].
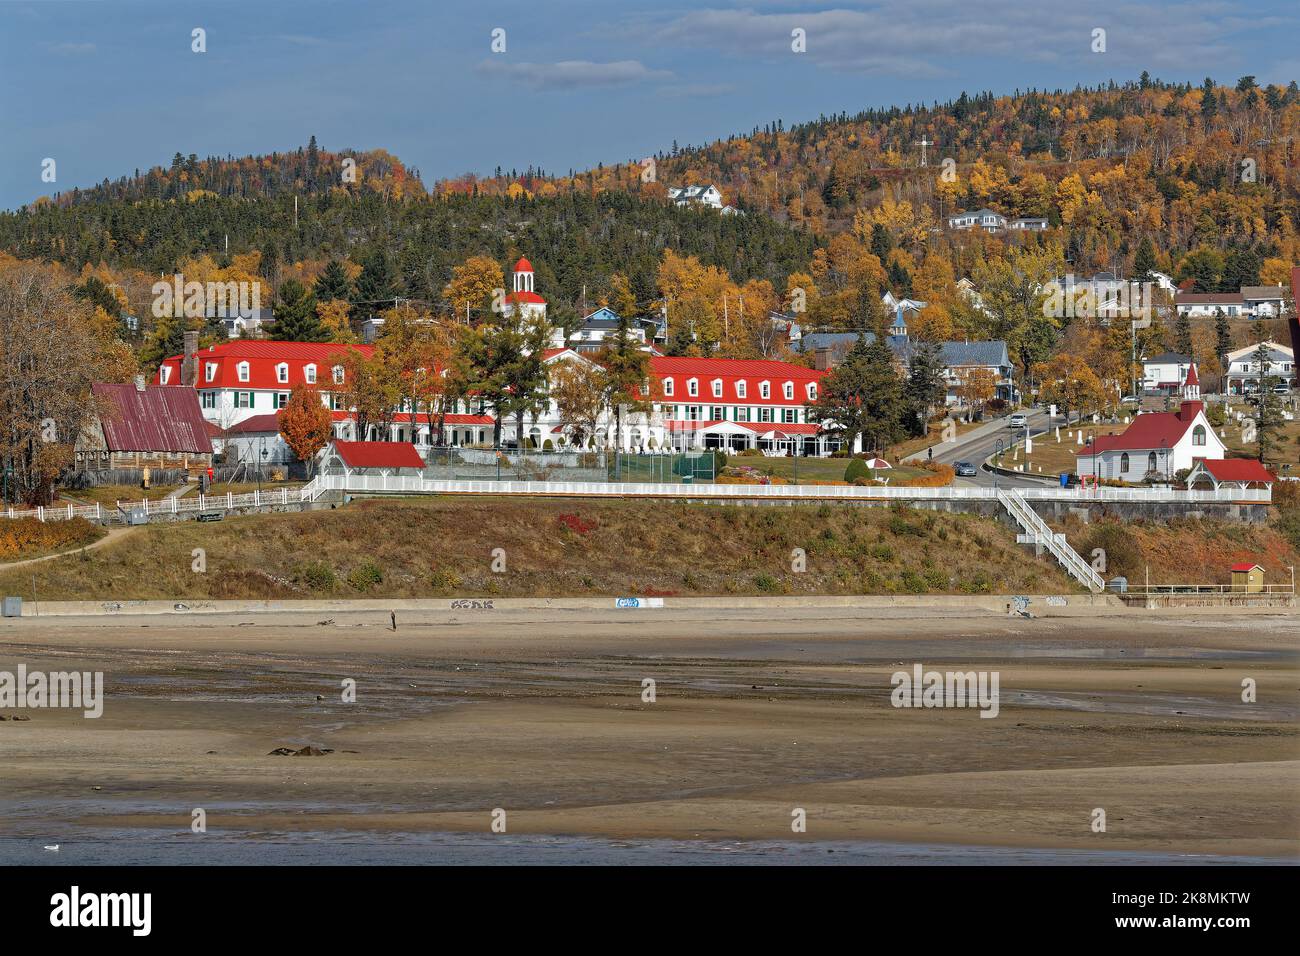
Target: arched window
[1151,461]
[1198,435]
[1123,463]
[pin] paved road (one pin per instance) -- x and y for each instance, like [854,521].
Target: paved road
[976,445]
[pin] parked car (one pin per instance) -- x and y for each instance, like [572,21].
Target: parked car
[1017,421]
[1131,400]
[1281,388]
[964,469]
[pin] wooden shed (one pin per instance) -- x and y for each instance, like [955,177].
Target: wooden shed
[1247,578]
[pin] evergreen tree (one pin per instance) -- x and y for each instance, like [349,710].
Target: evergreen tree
[1268,410]
[882,243]
[295,315]
[1183,334]
[863,396]
[1222,336]
[377,284]
[925,386]
[1144,260]
[333,283]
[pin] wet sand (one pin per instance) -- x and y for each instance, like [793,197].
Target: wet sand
[757,712]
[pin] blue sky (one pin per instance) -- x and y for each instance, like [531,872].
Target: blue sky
[108,86]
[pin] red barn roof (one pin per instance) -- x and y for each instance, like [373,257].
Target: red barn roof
[378,454]
[152,419]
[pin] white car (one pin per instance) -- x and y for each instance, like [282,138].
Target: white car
[1017,421]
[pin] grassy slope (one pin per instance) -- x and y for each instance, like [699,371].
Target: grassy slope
[443,547]
[25,538]
[1188,551]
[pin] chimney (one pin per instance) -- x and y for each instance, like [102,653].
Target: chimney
[822,359]
[139,383]
[190,361]
[1187,410]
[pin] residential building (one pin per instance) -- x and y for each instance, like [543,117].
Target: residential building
[1264,301]
[1165,373]
[696,196]
[1244,370]
[985,219]
[1202,304]
[1027,224]
[599,330]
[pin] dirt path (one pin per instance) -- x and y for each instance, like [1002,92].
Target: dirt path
[114,535]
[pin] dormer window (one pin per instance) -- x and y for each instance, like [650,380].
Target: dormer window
[668,387]
[789,391]
[764,390]
[338,374]
[210,371]
[242,371]
[164,373]
[740,389]
[717,388]
[812,391]
[309,373]
[281,373]
[692,387]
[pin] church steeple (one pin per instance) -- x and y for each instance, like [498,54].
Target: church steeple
[524,276]
[1192,386]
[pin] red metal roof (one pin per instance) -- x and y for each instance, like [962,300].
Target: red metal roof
[1246,566]
[378,454]
[262,357]
[269,422]
[732,372]
[1148,431]
[525,296]
[152,419]
[1237,469]
[523,265]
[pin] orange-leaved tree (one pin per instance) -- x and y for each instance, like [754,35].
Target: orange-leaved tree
[305,422]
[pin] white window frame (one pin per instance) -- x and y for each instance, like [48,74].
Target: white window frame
[164,373]
[242,371]
[811,391]
[668,387]
[282,373]
[717,388]
[788,391]
[693,387]
[764,389]
[309,373]
[209,371]
[338,374]
[740,389]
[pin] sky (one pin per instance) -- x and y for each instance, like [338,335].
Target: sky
[106,87]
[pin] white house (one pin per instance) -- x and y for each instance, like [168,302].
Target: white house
[696,196]
[1202,304]
[1165,373]
[600,329]
[1264,301]
[985,219]
[1027,224]
[1244,372]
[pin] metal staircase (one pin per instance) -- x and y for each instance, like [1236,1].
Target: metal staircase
[1037,533]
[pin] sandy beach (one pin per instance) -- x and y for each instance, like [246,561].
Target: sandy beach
[757,712]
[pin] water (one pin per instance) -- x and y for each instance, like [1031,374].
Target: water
[98,847]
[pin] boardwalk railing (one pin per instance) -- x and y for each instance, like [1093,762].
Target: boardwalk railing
[410,485]
[121,510]
[397,484]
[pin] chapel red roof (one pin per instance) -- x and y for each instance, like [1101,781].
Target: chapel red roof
[1149,431]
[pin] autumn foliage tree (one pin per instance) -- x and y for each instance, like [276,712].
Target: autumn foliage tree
[305,422]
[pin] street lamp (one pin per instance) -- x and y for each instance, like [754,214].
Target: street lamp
[997,459]
[261,444]
[1164,458]
[1092,441]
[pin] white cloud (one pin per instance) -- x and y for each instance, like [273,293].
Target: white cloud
[922,38]
[573,74]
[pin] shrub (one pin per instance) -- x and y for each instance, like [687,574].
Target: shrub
[767,584]
[857,469]
[913,583]
[318,576]
[444,579]
[577,525]
[365,576]
[25,536]
[548,445]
